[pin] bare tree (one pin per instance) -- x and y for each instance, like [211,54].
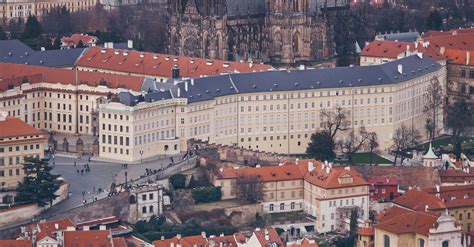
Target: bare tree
[335,121]
[353,143]
[460,118]
[403,138]
[372,145]
[433,105]
[249,189]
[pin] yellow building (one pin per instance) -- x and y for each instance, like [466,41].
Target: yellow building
[18,140]
[11,9]
[277,111]
[327,193]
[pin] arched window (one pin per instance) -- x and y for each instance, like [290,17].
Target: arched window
[282,206]
[278,42]
[293,205]
[386,241]
[421,242]
[271,207]
[296,42]
[150,209]
[166,147]
[144,209]
[445,243]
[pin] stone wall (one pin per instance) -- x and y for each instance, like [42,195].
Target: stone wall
[242,215]
[18,214]
[407,176]
[117,205]
[235,154]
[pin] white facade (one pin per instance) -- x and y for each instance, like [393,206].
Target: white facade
[446,232]
[149,201]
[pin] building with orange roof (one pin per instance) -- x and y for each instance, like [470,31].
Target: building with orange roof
[365,235]
[326,192]
[197,240]
[17,141]
[74,40]
[87,238]
[404,227]
[265,237]
[159,66]
[455,177]
[303,243]
[382,51]
[15,243]
[460,73]
[61,100]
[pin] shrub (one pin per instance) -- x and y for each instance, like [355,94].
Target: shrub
[207,194]
[178,181]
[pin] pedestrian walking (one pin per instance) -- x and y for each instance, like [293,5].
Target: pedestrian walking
[82,171]
[74,163]
[77,171]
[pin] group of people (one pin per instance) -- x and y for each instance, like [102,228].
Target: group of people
[86,169]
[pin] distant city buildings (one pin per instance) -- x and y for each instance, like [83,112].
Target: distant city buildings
[77,39]
[10,9]
[383,188]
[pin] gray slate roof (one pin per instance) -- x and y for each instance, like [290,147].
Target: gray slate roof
[14,51]
[245,7]
[208,88]
[406,37]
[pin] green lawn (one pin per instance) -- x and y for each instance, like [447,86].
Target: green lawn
[364,158]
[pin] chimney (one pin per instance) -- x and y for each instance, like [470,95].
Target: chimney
[468,57]
[192,81]
[400,69]
[348,168]
[56,226]
[130,44]
[162,238]
[330,165]
[175,72]
[328,170]
[186,86]
[426,208]
[179,92]
[310,166]
[203,234]
[178,236]
[171,244]
[442,50]
[102,227]
[437,188]
[297,161]
[416,45]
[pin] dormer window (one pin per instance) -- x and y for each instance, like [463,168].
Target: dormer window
[345,179]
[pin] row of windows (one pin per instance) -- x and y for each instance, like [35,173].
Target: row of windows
[282,194]
[17,160]
[115,140]
[282,205]
[10,173]
[18,148]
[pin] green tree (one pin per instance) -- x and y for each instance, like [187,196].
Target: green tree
[178,181]
[353,222]
[458,150]
[3,35]
[192,183]
[207,194]
[38,185]
[321,146]
[434,20]
[80,44]
[32,28]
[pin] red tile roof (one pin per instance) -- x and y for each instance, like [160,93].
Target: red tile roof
[460,56]
[291,171]
[15,243]
[366,231]
[13,127]
[286,171]
[391,49]
[160,65]
[63,76]
[97,238]
[273,237]
[119,242]
[189,241]
[304,243]
[455,196]
[385,180]
[455,176]
[460,41]
[335,178]
[75,38]
[401,221]
[222,241]
[447,33]
[417,199]
[48,228]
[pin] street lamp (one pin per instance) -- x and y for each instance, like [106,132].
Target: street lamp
[83,196]
[126,186]
[141,156]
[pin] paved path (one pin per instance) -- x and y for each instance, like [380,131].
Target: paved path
[100,177]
